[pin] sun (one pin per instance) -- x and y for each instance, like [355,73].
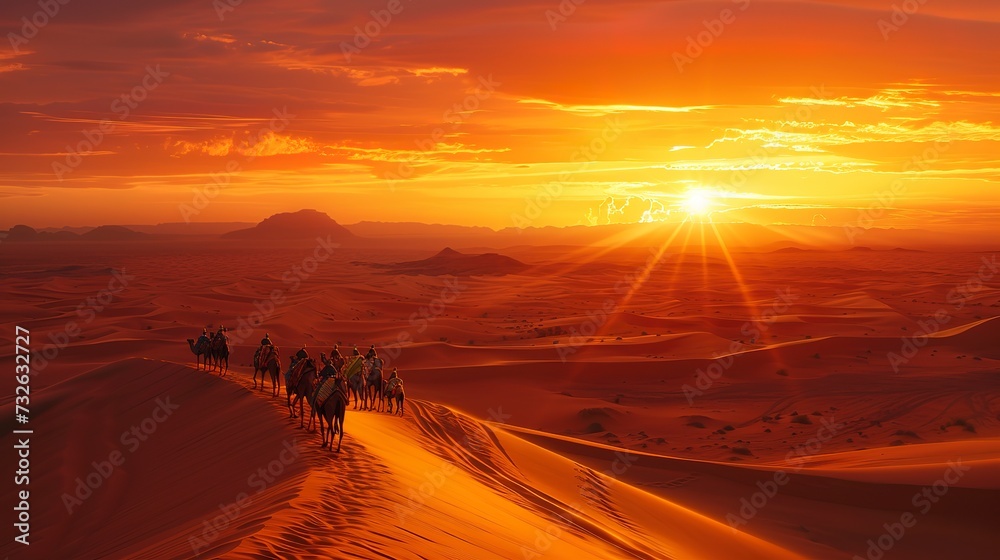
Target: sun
[698,202]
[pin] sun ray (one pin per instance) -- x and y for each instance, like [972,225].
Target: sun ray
[745,293]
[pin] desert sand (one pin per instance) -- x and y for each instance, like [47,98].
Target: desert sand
[562,402]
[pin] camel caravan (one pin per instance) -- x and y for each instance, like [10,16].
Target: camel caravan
[212,347]
[328,386]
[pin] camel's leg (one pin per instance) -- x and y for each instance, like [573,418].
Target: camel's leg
[340,421]
[313,414]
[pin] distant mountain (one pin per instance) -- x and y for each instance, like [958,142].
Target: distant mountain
[304,224]
[417,229]
[21,233]
[193,228]
[101,233]
[112,233]
[790,250]
[451,262]
[735,236]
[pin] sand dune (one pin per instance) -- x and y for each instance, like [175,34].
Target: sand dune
[562,400]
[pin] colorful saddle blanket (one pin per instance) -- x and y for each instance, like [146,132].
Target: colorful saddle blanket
[323,392]
[353,366]
[294,375]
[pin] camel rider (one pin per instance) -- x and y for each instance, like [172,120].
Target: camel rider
[299,356]
[356,352]
[324,372]
[266,341]
[335,353]
[204,336]
[372,354]
[393,381]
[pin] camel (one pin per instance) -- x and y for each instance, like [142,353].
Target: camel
[375,390]
[270,364]
[220,353]
[302,388]
[328,371]
[201,348]
[395,394]
[333,411]
[356,383]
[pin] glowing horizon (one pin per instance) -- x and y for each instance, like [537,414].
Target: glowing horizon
[609,114]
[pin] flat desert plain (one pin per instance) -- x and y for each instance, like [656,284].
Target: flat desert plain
[568,402]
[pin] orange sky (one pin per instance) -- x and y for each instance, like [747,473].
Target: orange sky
[502,113]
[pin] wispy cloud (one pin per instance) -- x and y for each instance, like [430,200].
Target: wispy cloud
[611,109]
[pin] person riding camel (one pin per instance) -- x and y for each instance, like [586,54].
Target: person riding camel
[356,352]
[335,353]
[299,356]
[266,341]
[221,332]
[204,336]
[324,373]
[393,381]
[372,354]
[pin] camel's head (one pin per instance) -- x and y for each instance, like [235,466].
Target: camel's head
[191,340]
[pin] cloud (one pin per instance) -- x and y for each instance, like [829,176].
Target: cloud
[269,144]
[896,98]
[611,109]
